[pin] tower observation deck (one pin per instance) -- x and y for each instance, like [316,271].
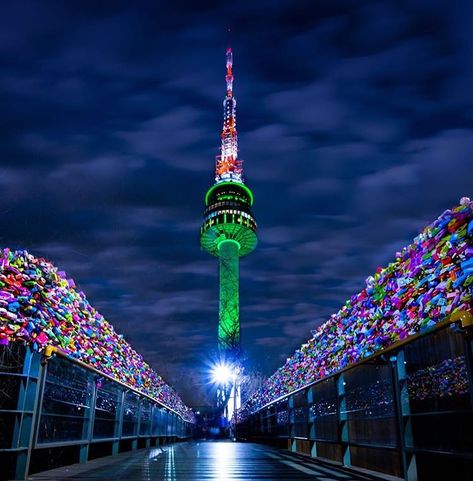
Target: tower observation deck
[229,228]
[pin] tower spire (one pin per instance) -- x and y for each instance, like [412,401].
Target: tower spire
[228,168]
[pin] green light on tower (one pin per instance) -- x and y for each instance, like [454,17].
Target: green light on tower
[229,232]
[229,305]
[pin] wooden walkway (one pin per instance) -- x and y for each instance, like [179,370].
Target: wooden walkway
[205,461]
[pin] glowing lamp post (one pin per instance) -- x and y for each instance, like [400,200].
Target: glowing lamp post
[227,376]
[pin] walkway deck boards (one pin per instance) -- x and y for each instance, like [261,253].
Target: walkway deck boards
[203,461]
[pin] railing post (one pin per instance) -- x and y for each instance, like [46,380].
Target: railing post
[290,405]
[464,325]
[134,442]
[88,429]
[119,425]
[29,400]
[343,421]
[468,349]
[311,423]
[403,410]
[267,422]
[152,430]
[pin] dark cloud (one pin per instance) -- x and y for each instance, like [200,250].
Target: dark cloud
[355,123]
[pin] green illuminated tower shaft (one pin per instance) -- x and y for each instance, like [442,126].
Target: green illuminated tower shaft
[229,232]
[229,305]
[229,228]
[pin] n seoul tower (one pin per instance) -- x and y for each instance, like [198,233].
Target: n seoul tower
[229,228]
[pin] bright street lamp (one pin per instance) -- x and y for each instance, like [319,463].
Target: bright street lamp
[222,374]
[227,376]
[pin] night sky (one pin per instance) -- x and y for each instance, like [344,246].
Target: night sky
[355,122]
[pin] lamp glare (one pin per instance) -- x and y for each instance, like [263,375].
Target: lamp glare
[222,374]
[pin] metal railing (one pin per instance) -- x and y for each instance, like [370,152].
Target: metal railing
[50,403]
[405,411]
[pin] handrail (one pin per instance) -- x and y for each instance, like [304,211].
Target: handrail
[49,351]
[464,317]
